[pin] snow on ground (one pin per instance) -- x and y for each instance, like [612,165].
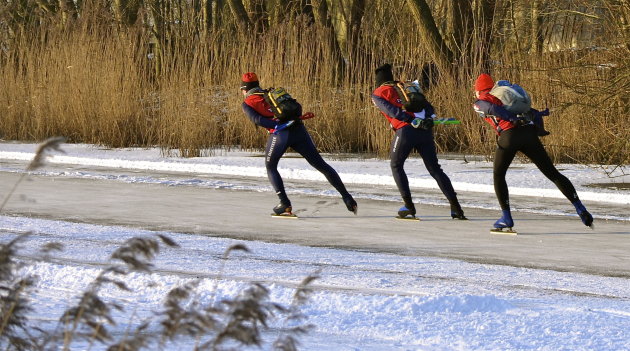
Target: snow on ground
[363,301]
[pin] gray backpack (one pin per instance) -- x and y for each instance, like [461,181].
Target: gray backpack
[514,98]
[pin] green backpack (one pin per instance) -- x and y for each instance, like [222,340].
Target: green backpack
[284,107]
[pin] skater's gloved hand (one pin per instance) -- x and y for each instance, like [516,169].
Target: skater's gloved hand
[307,115]
[422,123]
[282,126]
[544,112]
[521,121]
[427,123]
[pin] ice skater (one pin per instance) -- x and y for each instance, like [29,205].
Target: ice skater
[285,132]
[412,122]
[518,132]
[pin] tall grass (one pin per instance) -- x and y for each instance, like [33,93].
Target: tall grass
[97,83]
[184,319]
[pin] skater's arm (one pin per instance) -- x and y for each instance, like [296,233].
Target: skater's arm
[389,109]
[257,118]
[489,109]
[429,111]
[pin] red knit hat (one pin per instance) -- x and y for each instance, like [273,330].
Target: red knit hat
[249,81]
[484,82]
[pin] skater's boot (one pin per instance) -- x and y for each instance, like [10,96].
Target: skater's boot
[351,205]
[408,209]
[282,208]
[505,221]
[585,216]
[456,211]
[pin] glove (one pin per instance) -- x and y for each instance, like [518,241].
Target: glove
[544,112]
[426,123]
[521,121]
[282,126]
[307,115]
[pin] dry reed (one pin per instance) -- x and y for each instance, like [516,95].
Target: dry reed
[97,83]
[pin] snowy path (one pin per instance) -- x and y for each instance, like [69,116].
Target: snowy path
[363,301]
[548,242]
[432,285]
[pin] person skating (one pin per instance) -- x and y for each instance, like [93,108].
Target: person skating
[413,130]
[518,133]
[283,135]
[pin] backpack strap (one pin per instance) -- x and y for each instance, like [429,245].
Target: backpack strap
[258,91]
[400,87]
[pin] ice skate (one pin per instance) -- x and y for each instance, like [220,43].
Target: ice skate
[585,216]
[351,205]
[407,212]
[457,212]
[283,210]
[504,224]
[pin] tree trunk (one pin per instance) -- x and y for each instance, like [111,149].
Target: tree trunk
[520,27]
[320,12]
[126,11]
[435,44]
[215,13]
[459,24]
[257,11]
[321,16]
[67,10]
[536,40]
[346,17]
[485,24]
[238,10]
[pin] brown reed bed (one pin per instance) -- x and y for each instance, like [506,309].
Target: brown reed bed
[97,83]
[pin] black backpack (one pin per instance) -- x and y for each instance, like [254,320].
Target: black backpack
[284,107]
[411,96]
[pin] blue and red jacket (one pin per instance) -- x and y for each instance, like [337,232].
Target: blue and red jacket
[388,101]
[491,109]
[259,111]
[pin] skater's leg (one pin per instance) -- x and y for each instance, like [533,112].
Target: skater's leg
[503,157]
[276,146]
[426,148]
[400,149]
[303,144]
[537,153]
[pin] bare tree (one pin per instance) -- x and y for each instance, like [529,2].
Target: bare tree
[345,17]
[239,12]
[436,45]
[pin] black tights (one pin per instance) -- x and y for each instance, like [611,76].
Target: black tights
[297,138]
[525,140]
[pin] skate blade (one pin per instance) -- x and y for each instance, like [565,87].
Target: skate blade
[505,231]
[284,215]
[407,218]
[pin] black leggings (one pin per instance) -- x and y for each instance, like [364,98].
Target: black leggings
[525,140]
[299,140]
[406,140]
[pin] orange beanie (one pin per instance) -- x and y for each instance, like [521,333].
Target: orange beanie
[484,82]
